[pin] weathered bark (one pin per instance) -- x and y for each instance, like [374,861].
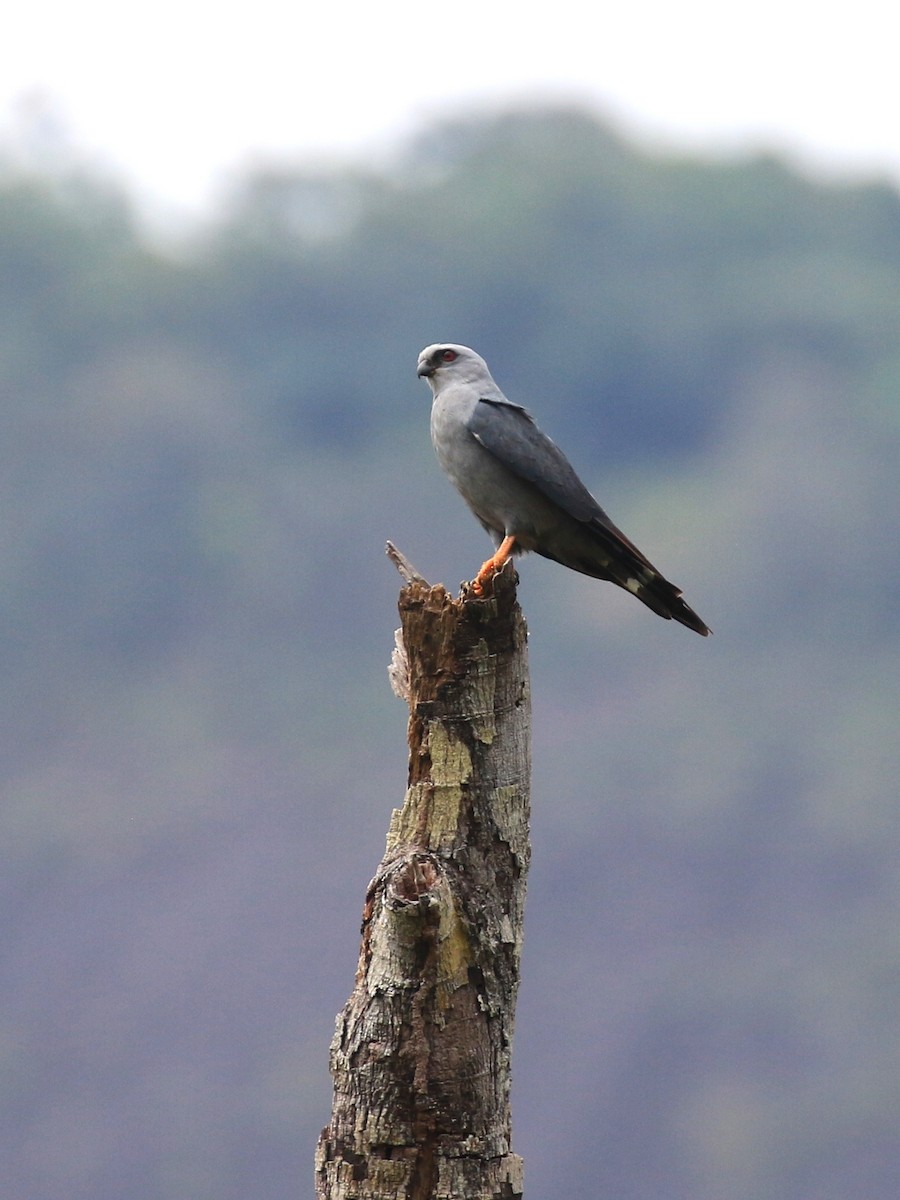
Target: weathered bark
[421,1053]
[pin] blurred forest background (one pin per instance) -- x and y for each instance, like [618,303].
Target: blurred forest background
[205,446]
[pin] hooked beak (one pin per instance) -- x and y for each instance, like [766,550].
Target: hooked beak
[425,370]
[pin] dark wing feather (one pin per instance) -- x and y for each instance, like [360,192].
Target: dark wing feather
[509,432]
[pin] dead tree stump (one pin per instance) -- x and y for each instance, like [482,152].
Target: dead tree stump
[421,1054]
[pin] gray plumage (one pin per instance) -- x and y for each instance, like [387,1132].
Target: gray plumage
[524,490]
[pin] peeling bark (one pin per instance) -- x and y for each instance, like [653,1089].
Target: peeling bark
[421,1052]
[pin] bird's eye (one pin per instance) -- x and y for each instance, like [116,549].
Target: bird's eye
[448,355]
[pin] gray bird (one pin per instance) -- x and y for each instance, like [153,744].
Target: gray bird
[524,490]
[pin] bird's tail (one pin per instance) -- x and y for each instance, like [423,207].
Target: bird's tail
[664,599]
[632,570]
[606,553]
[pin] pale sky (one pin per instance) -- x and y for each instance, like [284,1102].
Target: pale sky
[178,94]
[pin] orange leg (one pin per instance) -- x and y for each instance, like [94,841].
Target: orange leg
[493,565]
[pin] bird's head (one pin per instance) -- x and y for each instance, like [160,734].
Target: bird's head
[446,362]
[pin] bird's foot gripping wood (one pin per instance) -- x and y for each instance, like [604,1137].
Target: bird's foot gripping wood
[494,564]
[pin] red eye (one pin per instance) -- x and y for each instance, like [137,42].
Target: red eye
[448,355]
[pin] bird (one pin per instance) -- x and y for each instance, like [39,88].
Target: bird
[524,490]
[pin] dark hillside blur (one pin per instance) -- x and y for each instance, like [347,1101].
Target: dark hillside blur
[203,453]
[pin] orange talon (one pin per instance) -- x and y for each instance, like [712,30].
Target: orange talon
[494,564]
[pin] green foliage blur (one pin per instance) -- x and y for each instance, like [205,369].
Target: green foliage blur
[203,451]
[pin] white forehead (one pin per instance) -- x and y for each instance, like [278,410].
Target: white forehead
[461,351]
